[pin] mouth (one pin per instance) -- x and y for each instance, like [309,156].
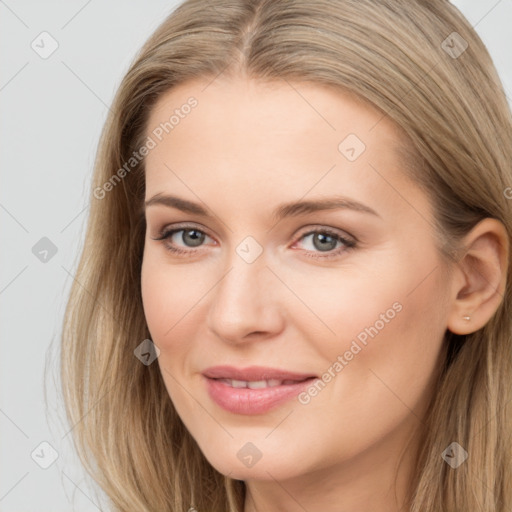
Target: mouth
[259,384]
[253,390]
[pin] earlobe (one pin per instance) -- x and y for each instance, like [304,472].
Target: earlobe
[481,276]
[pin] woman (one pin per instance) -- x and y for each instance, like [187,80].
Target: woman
[293,293]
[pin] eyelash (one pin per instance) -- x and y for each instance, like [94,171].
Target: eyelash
[166,234]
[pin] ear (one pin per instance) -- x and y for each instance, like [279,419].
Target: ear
[479,277]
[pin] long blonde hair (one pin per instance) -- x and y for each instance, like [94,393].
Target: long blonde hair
[425,68]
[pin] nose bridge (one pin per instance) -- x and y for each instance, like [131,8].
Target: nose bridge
[243,301]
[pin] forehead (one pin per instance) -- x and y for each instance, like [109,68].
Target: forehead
[245,116]
[271,139]
[222,102]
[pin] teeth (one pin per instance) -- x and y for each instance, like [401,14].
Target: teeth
[256,384]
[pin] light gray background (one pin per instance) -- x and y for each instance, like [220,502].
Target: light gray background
[52,111]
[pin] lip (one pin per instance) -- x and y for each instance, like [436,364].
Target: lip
[253,401]
[253,373]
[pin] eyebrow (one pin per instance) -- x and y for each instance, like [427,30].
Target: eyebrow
[292,209]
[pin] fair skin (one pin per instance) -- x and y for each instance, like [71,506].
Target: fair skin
[244,150]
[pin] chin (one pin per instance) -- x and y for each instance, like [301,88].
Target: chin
[270,467]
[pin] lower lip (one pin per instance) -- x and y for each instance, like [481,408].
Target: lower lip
[252,401]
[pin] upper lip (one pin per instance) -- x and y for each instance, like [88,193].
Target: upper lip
[253,373]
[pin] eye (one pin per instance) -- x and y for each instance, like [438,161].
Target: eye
[190,236]
[321,240]
[324,240]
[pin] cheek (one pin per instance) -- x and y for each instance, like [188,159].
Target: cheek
[387,326]
[379,367]
[392,303]
[164,306]
[175,298]
[409,359]
[402,358]
[168,294]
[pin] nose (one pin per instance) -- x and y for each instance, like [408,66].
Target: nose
[246,304]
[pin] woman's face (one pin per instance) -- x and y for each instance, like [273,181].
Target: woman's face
[300,324]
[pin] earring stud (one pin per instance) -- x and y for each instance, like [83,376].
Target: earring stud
[466,317]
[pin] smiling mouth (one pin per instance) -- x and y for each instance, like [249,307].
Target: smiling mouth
[255,374]
[257,395]
[260,384]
